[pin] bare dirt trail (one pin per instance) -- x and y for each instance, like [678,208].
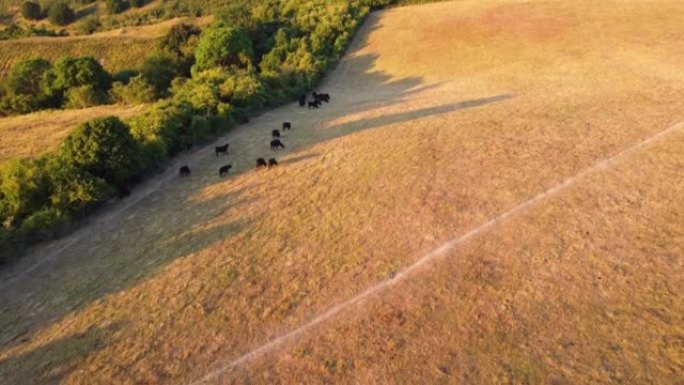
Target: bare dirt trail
[443,117]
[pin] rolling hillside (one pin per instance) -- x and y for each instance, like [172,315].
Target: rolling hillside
[493,195]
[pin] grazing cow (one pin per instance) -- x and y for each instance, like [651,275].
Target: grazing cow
[184,171]
[276,143]
[302,100]
[314,104]
[261,162]
[275,134]
[272,162]
[223,170]
[323,97]
[287,126]
[222,149]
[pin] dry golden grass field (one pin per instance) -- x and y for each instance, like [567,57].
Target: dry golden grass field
[117,50]
[447,125]
[37,133]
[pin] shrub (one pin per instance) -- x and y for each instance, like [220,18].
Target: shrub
[31,10]
[59,13]
[115,6]
[69,72]
[137,91]
[103,148]
[222,46]
[84,96]
[159,70]
[137,3]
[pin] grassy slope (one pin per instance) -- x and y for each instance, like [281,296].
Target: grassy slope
[442,117]
[119,49]
[35,134]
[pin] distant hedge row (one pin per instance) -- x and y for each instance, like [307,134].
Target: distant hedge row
[250,59]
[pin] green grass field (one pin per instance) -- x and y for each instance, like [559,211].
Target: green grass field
[443,117]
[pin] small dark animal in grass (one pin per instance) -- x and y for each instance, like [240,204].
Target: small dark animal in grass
[223,170]
[276,143]
[275,134]
[272,162]
[287,126]
[184,171]
[324,97]
[222,149]
[302,101]
[321,97]
[261,162]
[314,104]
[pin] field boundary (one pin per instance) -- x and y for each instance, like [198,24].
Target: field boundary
[436,253]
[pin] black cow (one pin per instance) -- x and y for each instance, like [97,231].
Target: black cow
[302,100]
[222,149]
[314,104]
[261,162]
[184,171]
[287,126]
[321,97]
[272,162]
[223,170]
[275,134]
[276,143]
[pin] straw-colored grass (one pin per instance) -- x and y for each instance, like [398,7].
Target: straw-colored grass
[34,134]
[442,117]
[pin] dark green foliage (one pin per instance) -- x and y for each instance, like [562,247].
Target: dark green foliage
[103,148]
[59,13]
[31,10]
[137,3]
[159,70]
[223,46]
[179,45]
[115,6]
[69,72]
[24,90]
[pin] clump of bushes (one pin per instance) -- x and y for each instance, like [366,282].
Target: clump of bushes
[59,13]
[31,10]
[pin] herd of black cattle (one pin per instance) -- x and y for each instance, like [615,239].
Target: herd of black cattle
[318,99]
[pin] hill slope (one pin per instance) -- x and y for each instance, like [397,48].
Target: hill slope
[442,117]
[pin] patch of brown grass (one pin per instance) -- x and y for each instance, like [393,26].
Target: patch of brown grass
[427,137]
[35,134]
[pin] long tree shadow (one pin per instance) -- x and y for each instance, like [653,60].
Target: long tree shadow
[79,275]
[51,363]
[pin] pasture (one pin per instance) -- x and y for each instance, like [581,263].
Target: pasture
[34,134]
[443,118]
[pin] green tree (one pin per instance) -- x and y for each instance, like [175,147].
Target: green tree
[24,86]
[31,10]
[59,13]
[104,148]
[137,91]
[24,189]
[69,72]
[222,46]
[159,70]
